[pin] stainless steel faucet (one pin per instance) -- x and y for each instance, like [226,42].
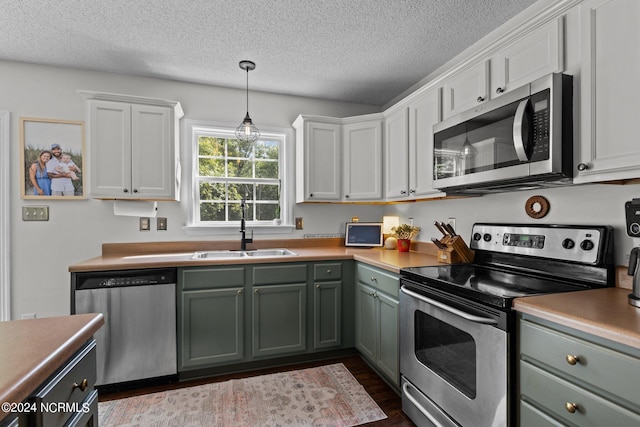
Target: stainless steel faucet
[243,231]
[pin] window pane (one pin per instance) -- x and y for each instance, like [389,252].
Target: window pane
[241,191]
[267,192]
[235,214]
[211,167]
[239,168]
[266,212]
[212,212]
[266,169]
[210,146]
[267,150]
[212,191]
[237,148]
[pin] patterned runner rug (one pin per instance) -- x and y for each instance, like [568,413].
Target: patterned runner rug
[323,396]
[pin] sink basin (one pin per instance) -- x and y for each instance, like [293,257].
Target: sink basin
[218,255]
[270,252]
[241,254]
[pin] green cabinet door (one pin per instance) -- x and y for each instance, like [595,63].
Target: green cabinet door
[279,319]
[210,327]
[366,321]
[388,344]
[327,314]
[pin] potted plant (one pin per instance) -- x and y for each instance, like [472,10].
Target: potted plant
[404,233]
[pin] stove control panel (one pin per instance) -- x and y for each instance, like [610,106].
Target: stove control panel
[567,243]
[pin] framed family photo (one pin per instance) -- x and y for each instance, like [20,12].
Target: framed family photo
[52,158]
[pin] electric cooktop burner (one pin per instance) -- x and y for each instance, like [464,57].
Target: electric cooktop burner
[563,259]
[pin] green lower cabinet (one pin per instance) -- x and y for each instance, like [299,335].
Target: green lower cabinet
[327,315]
[377,311]
[279,319]
[212,327]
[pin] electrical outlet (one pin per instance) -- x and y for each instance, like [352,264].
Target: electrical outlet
[299,224]
[452,222]
[35,213]
[161,224]
[145,223]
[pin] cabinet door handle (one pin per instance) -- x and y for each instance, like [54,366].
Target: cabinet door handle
[499,90]
[311,195]
[403,192]
[582,167]
[412,191]
[480,99]
[317,286]
[255,291]
[135,190]
[84,384]
[373,279]
[572,360]
[240,291]
[126,190]
[346,196]
[571,407]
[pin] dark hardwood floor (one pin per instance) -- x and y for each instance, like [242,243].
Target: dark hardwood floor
[384,396]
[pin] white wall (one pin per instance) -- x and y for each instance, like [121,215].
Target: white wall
[42,251]
[594,204]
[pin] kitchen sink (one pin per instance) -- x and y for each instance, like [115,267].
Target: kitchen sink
[241,254]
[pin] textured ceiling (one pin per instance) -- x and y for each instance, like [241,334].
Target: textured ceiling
[365,51]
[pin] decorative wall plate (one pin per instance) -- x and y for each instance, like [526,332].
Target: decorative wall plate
[537,207]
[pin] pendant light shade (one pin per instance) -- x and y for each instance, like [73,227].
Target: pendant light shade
[247,131]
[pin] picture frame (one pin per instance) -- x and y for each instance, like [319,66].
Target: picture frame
[40,177]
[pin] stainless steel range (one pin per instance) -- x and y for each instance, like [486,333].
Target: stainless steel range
[457,325]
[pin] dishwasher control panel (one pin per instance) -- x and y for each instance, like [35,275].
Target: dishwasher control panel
[114,279]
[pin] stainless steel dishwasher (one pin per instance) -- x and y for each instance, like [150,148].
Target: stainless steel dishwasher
[138,339]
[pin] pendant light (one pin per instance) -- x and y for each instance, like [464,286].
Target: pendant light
[247,131]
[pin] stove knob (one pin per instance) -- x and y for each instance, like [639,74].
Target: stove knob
[586,245]
[486,237]
[477,236]
[568,244]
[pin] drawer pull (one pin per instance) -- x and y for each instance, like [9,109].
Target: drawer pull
[318,286]
[373,279]
[328,271]
[82,386]
[572,360]
[240,291]
[571,407]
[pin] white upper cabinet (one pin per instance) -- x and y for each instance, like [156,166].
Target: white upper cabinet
[424,112]
[526,58]
[409,149]
[609,147]
[133,147]
[318,159]
[535,55]
[396,155]
[466,90]
[362,175]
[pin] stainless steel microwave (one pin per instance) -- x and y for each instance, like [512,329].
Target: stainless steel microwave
[520,140]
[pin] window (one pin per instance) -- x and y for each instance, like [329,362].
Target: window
[227,171]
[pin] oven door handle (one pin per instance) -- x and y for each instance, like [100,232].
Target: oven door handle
[459,313]
[405,391]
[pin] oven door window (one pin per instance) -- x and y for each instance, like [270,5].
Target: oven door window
[447,351]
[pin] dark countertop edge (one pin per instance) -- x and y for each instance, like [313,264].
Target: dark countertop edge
[41,370]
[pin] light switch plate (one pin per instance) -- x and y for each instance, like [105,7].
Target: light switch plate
[161,224]
[145,223]
[35,213]
[299,224]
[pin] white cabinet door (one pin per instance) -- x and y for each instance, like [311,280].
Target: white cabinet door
[609,147]
[133,147]
[110,149]
[466,90]
[397,155]
[152,152]
[423,114]
[362,175]
[535,55]
[318,151]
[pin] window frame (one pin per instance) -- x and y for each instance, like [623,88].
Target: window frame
[192,129]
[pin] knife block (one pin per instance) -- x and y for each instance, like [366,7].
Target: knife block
[456,251]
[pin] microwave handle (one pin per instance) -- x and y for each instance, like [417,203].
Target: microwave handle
[518,123]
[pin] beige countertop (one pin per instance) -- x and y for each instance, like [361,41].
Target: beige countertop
[32,350]
[601,312]
[178,254]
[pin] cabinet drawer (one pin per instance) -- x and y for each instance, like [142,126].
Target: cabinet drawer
[207,278]
[532,417]
[332,271]
[279,274]
[602,367]
[379,279]
[553,393]
[64,388]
